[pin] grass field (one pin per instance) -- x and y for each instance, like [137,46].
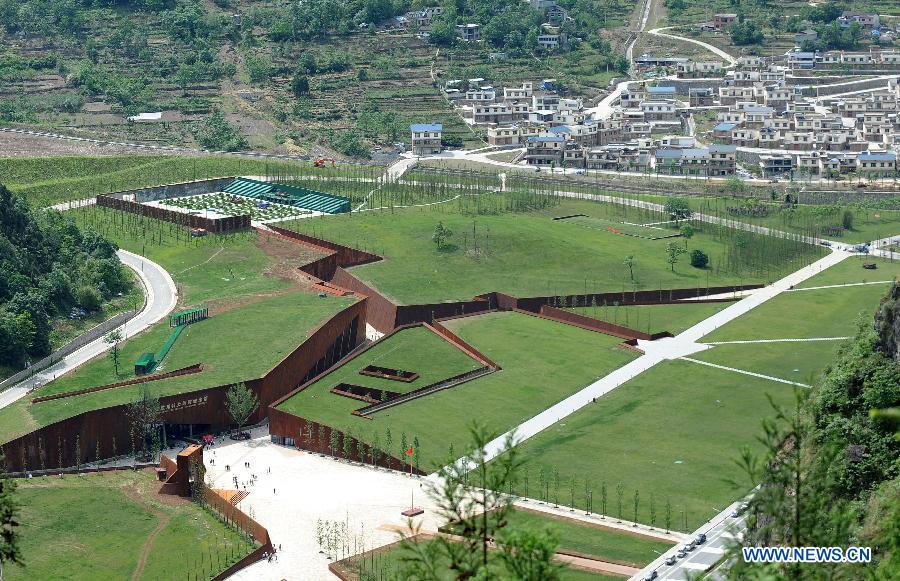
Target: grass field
[799,314]
[528,254]
[674,318]
[648,232]
[211,267]
[47,181]
[672,434]
[850,271]
[800,362]
[97,527]
[529,382]
[417,349]
[591,540]
[227,343]
[386,565]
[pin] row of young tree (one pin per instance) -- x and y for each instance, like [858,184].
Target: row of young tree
[48,266]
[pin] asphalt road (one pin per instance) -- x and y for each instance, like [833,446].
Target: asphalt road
[162,297]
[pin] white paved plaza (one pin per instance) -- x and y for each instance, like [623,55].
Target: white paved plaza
[303,488]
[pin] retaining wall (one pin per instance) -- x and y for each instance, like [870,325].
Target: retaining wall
[164,192]
[571,318]
[213,225]
[69,348]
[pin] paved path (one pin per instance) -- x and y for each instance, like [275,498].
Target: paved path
[751,341]
[744,372]
[681,345]
[809,288]
[604,521]
[713,49]
[161,299]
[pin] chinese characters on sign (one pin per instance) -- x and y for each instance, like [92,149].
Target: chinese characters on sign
[183,404]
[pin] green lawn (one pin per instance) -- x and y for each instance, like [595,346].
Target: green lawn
[385,565]
[211,267]
[94,527]
[530,381]
[592,540]
[650,232]
[674,318]
[416,349]
[671,434]
[227,343]
[800,362]
[45,181]
[831,312]
[850,270]
[529,254]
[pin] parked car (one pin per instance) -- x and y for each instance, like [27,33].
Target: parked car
[824,242]
[690,546]
[700,539]
[651,576]
[670,560]
[681,554]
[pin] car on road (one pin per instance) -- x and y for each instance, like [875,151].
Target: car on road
[690,546]
[681,554]
[824,242]
[651,576]
[700,539]
[670,560]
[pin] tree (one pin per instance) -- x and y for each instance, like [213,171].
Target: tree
[113,339]
[9,522]
[699,259]
[687,232]
[744,33]
[673,251]
[241,403]
[629,262]
[216,133]
[677,208]
[300,85]
[144,415]
[479,514]
[529,554]
[441,235]
[847,220]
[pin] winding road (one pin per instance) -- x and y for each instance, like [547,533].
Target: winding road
[161,298]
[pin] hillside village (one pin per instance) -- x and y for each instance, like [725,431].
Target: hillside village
[800,115]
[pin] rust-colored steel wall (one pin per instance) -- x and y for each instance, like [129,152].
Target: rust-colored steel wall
[645,297]
[214,225]
[55,445]
[189,370]
[338,254]
[381,313]
[316,437]
[571,318]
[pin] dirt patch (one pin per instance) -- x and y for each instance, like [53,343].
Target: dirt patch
[19,145]
[219,306]
[286,258]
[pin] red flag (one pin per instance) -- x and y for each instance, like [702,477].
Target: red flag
[409,451]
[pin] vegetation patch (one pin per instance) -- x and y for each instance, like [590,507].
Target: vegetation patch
[98,526]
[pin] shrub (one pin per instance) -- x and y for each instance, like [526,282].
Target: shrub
[89,298]
[699,259]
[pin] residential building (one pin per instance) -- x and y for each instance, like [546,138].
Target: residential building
[725,20]
[426,138]
[545,149]
[469,32]
[722,159]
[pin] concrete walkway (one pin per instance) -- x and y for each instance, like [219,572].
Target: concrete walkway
[744,372]
[809,288]
[751,341]
[162,297]
[681,345]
